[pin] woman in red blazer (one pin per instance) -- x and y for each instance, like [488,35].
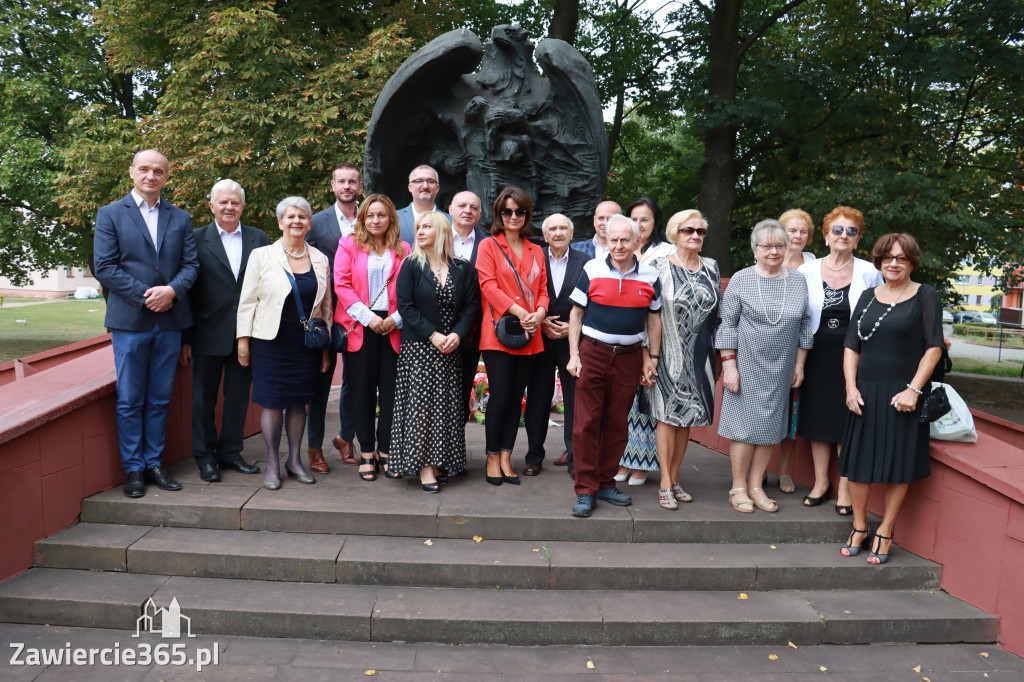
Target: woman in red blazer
[526,297]
[365,276]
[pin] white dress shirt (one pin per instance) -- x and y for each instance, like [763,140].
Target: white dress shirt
[149,215]
[377,270]
[347,227]
[556,270]
[463,247]
[232,242]
[599,251]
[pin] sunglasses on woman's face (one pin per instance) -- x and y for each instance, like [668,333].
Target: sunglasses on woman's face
[851,231]
[888,258]
[507,213]
[701,231]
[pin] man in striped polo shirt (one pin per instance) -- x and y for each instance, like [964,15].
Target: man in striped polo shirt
[616,301]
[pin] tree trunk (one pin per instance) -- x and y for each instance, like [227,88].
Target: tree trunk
[718,173]
[565,21]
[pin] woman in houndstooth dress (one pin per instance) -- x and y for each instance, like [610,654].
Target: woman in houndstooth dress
[763,340]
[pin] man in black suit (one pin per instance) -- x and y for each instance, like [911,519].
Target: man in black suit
[223,247]
[564,267]
[465,212]
[329,226]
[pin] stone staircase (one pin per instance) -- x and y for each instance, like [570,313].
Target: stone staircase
[385,562]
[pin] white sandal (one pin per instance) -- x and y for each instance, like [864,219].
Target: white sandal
[745,505]
[666,499]
[768,505]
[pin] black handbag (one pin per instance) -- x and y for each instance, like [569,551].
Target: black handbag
[318,336]
[936,402]
[509,329]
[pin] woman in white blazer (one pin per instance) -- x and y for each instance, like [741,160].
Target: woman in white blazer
[272,337]
[834,285]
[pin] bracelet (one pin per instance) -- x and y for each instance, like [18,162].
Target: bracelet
[917,391]
[654,357]
[728,357]
[242,355]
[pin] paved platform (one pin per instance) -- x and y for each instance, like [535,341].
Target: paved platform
[251,658]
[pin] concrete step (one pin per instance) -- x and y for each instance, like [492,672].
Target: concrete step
[505,616]
[254,658]
[407,561]
[538,510]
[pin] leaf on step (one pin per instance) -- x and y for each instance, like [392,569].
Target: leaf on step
[822,668]
[916,669]
[428,542]
[590,664]
[772,657]
[793,646]
[926,679]
[370,673]
[773,546]
[984,654]
[743,595]
[477,538]
[536,550]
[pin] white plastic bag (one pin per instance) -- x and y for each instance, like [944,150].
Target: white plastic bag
[958,424]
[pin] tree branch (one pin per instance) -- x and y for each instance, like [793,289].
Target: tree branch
[767,24]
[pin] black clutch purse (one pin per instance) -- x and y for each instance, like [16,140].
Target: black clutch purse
[510,332]
[318,336]
[936,404]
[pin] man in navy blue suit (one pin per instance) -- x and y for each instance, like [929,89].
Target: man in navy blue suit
[597,247]
[145,256]
[466,238]
[424,186]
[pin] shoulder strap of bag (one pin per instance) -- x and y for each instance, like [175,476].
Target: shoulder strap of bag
[303,320]
[519,282]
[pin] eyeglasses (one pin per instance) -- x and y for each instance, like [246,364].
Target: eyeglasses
[701,231]
[888,258]
[423,181]
[507,213]
[772,247]
[851,231]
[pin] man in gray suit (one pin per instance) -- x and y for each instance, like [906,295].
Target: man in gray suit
[223,247]
[423,186]
[329,226]
[598,246]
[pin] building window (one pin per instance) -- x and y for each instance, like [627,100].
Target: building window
[965,299]
[68,271]
[963,279]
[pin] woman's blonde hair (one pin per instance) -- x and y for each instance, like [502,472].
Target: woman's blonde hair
[677,219]
[392,238]
[443,248]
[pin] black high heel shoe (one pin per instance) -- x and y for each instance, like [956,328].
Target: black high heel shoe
[388,473]
[879,559]
[368,475]
[850,549]
[495,480]
[431,487]
[816,501]
[510,479]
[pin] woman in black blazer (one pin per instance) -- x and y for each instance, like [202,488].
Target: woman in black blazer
[438,301]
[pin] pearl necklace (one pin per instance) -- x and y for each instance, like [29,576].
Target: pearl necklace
[305,250]
[765,274]
[879,320]
[693,279]
[764,306]
[841,267]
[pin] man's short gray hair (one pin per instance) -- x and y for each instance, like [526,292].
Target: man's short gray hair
[634,226]
[226,185]
[544,225]
[297,202]
[765,230]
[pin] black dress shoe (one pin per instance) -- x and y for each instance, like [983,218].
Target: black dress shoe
[209,473]
[238,464]
[134,486]
[158,477]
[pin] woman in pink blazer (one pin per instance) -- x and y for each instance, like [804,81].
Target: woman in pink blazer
[365,276]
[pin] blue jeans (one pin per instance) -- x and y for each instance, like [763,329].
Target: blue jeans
[145,365]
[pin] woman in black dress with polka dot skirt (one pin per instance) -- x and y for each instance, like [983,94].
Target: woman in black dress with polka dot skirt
[438,300]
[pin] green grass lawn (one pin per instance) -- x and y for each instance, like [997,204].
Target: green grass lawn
[48,325]
[1006,368]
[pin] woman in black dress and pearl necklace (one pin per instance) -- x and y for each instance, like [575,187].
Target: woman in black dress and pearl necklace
[763,339]
[834,286]
[892,346]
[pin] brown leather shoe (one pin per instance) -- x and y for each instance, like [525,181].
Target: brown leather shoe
[316,461]
[531,470]
[345,448]
[560,462]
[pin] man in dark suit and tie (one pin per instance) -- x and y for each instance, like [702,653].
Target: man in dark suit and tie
[465,212]
[329,226]
[145,255]
[598,246]
[564,267]
[223,247]
[424,186]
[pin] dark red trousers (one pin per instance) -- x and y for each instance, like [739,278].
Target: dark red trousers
[604,394]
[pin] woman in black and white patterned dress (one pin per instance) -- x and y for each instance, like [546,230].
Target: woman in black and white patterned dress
[684,393]
[763,340]
[438,300]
